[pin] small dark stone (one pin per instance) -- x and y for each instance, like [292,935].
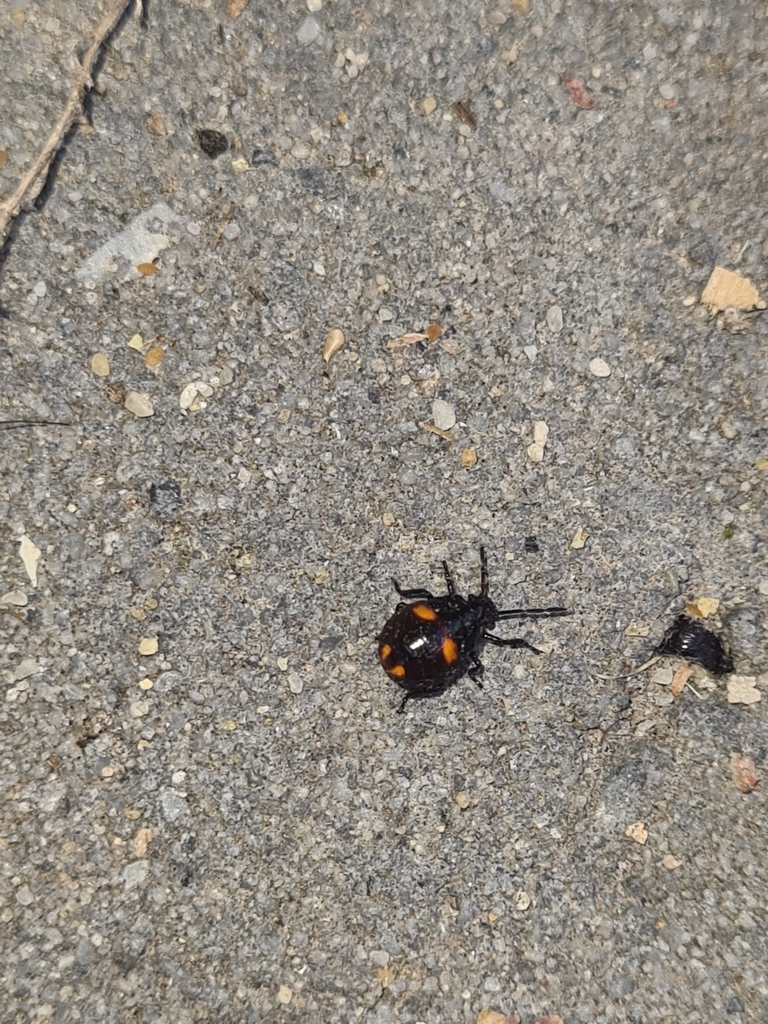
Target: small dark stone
[211,142]
[734,1005]
[166,497]
[531,545]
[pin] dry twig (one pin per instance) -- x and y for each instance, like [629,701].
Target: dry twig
[32,183]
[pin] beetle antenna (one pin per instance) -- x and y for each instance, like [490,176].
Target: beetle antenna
[532,613]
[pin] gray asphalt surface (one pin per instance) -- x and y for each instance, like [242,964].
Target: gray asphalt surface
[239,827]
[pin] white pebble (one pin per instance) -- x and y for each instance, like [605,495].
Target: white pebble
[295,682]
[308,32]
[531,351]
[139,404]
[599,367]
[443,414]
[555,319]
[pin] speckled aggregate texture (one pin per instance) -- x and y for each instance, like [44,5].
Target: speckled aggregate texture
[239,827]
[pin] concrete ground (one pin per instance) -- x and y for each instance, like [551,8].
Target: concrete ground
[212,810]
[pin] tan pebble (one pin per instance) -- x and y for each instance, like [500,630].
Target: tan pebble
[468,458]
[540,432]
[428,104]
[491,1016]
[461,799]
[148,645]
[99,365]
[599,368]
[107,771]
[443,414]
[689,300]
[535,452]
[638,832]
[154,356]
[228,725]
[136,343]
[284,995]
[728,430]
[132,813]
[138,709]
[146,269]
[141,841]
[240,165]
[579,539]
[743,690]
[334,342]
[282,664]
[139,404]
[295,683]
[670,863]
[386,976]
[388,519]
[761,465]
[146,684]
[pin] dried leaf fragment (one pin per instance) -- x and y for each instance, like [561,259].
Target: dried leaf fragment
[728,290]
[141,841]
[386,976]
[236,7]
[405,339]
[30,556]
[446,435]
[744,772]
[679,680]
[551,1018]
[638,832]
[334,342]
[462,111]
[156,125]
[578,93]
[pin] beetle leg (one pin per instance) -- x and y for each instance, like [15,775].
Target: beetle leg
[449,579]
[476,672]
[501,641]
[401,709]
[531,613]
[419,594]
[484,584]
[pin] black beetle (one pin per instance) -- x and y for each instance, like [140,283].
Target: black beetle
[429,644]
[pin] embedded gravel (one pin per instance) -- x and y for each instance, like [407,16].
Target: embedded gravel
[212,811]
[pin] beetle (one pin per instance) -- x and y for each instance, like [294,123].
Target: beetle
[431,642]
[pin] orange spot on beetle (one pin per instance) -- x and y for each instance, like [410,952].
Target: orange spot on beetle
[397,671]
[384,651]
[450,650]
[423,611]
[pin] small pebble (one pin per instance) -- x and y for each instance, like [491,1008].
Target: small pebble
[139,708]
[728,430]
[99,365]
[136,342]
[599,368]
[555,319]
[762,588]
[314,5]
[146,684]
[540,432]
[134,874]
[139,404]
[284,995]
[148,645]
[521,900]
[468,458]
[461,799]
[536,452]
[40,289]
[141,841]
[30,556]
[15,597]
[531,352]
[428,104]
[24,896]
[295,682]
[443,414]
[25,669]
[194,228]
[385,315]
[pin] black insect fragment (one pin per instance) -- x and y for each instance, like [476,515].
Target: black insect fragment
[687,638]
[211,142]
